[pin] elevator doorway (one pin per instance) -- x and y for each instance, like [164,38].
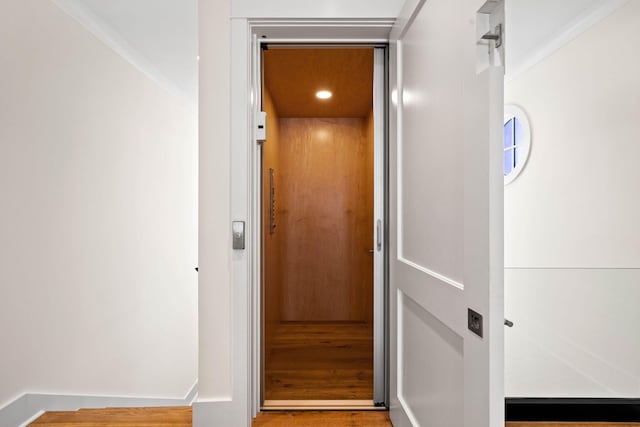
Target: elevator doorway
[323,216]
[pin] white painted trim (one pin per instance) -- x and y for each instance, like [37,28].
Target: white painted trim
[320,41]
[573,29]
[398,138]
[319,31]
[213,413]
[192,395]
[103,32]
[409,11]
[432,273]
[330,9]
[242,281]
[32,419]
[256,268]
[323,23]
[397,414]
[245,193]
[29,406]
[406,410]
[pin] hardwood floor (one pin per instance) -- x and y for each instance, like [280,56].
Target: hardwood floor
[181,417]
[177,416]
[323,419]
[320,361]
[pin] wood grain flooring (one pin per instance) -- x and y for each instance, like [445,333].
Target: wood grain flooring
[320,361]
[318,419]
[181,417]
[177,416]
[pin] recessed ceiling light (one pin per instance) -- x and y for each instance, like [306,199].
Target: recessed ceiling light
[323,94]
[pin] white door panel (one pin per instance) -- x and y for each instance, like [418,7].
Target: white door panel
[423,338]
[446,217]
[432,186]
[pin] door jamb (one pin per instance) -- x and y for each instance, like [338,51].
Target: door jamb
[246,180]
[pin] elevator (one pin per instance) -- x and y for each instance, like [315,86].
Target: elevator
[322,207]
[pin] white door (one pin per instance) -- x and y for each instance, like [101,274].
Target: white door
[446,246]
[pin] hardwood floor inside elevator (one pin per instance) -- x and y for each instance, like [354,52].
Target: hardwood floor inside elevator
[320,361]
[318,195]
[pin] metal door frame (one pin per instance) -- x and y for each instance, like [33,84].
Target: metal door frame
[380,232]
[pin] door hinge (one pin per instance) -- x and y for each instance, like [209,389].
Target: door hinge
[496,36]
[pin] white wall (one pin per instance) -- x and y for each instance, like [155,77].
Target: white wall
[538,28]
[160,37]
[98,169]
[572,235]
[575,335]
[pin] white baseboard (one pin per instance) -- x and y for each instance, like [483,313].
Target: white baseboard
[214,413]
[29,406]
[32,419]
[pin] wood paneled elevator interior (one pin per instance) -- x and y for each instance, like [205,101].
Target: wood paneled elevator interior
[317,227]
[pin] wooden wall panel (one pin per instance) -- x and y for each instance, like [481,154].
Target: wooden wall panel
[326,219]
[272,243]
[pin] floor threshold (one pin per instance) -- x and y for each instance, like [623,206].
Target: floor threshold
[320,405]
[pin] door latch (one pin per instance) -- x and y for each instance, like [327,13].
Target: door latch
[261,126]
[496,36]
[474,322]
[237,229]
